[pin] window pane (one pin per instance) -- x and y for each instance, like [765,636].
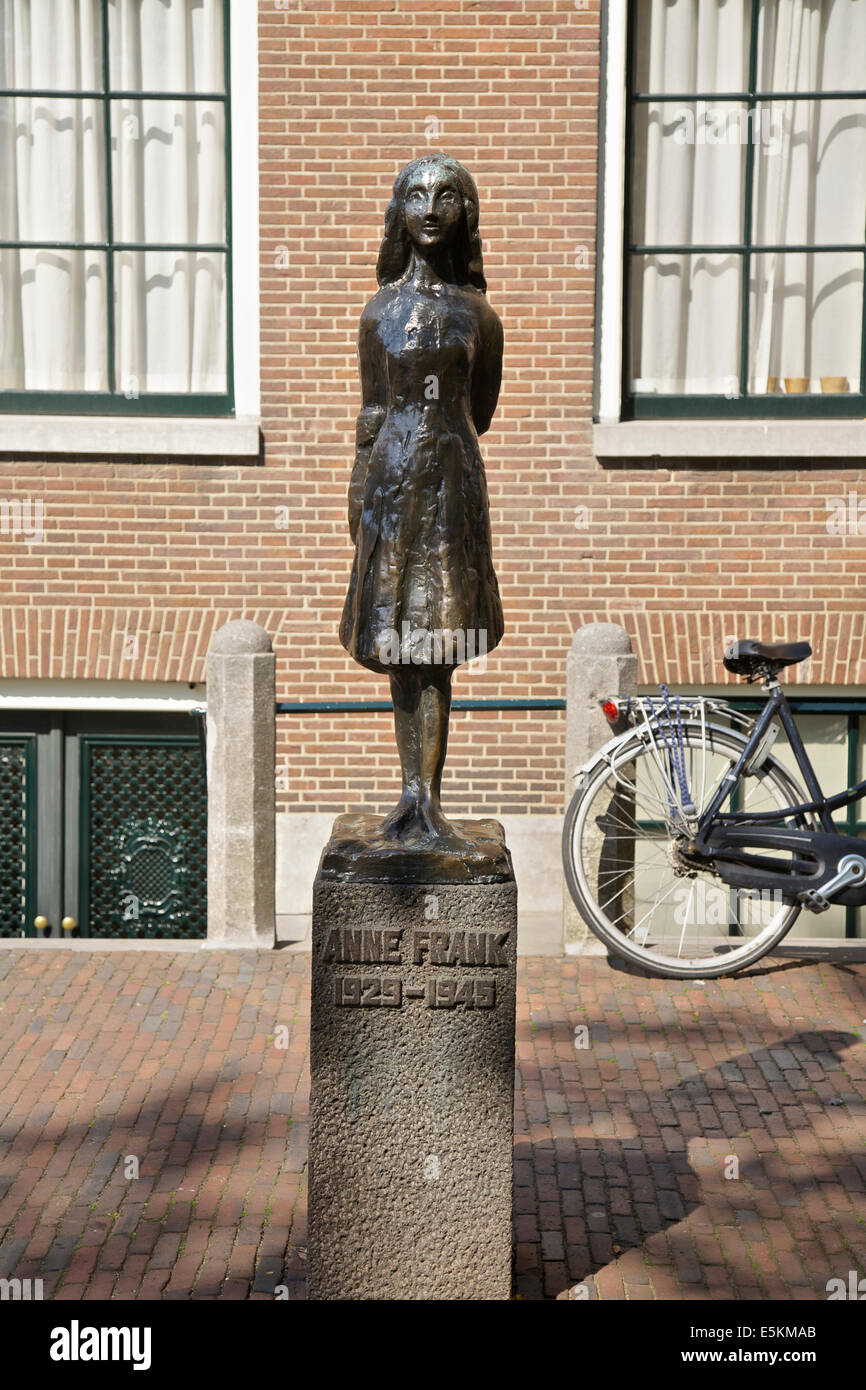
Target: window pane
[171,321]
[685,324]
[806,315]
[810,173]
[51,43]
[853,515]
[51,169]
[168,159]
[689,172]
[814,47]
[682,46]
[166,45]
[826,740]
[53,321]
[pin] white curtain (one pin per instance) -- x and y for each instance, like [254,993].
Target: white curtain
[168,185]
[809,186]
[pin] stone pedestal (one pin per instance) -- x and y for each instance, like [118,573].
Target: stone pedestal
[412,1104]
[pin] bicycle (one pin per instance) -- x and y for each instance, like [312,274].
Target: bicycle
[688,848]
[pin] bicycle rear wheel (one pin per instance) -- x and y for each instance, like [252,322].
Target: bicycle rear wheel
[623,843]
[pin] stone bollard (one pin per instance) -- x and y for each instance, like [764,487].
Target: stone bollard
[601,663]
[241,791]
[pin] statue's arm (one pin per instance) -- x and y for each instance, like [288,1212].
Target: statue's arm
[373,407]
[487,370]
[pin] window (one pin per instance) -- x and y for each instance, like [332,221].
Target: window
[115,264]
[745,208]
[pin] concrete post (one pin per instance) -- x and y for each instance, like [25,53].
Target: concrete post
[241,831]
[601,663]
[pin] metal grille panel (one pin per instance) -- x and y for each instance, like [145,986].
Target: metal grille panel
[147,826]
[14,836]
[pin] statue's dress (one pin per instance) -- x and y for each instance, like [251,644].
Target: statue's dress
[423,560]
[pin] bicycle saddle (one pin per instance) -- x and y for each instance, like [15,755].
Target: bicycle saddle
[748,658]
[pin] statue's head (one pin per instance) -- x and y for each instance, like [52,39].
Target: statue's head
[435,202]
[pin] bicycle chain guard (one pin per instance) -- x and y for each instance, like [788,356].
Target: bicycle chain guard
[814,862]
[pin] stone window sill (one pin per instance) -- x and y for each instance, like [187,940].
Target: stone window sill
[725,439]
[105,435]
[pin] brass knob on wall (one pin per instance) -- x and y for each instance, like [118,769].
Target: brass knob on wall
[40,923]
[69,924]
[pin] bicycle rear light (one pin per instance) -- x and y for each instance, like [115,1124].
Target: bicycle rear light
[610,710]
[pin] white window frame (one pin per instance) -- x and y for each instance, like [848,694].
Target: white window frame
[237,435]
[668,439]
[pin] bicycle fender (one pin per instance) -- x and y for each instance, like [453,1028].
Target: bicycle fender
[604,752]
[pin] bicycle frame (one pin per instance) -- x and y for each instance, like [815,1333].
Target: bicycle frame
[818,859]
[777,704]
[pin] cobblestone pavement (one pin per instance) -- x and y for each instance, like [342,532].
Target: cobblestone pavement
[687,1141]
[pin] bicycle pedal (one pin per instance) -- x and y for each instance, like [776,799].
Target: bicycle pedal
[813,900]
[851,869]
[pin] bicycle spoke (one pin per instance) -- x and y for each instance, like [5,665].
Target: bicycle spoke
[656,904]
[638,890]
[685,917]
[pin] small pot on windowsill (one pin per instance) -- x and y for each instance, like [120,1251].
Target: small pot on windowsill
[772,385]
[834,385]
[796,385]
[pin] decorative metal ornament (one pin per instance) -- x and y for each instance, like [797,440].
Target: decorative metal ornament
[151,867]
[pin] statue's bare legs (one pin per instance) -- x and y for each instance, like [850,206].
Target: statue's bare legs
[422,705]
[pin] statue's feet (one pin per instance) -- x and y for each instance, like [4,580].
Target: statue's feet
[431,818]
[401,822]
[437,826]
[418,818]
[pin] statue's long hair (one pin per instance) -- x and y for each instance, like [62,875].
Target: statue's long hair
[395,253]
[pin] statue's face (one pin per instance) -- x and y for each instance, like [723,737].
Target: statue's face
[432,207]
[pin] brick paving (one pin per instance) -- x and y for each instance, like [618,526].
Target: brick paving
[696,1141]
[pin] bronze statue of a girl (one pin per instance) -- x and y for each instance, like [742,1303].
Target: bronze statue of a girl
[423,595]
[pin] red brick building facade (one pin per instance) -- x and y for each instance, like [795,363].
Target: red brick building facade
[145,552]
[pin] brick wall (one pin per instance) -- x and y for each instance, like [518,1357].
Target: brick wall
[683,556]
[352,93]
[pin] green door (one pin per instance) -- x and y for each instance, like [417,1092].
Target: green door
[17,833]
[103,826]
[143,835]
